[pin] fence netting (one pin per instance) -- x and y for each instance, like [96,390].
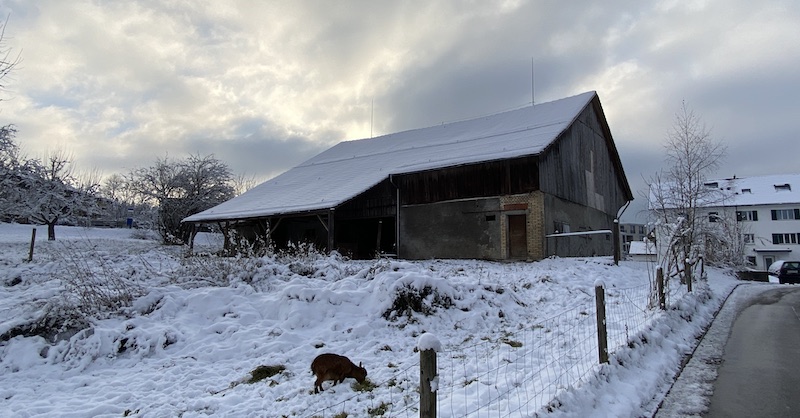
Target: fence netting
[520,372]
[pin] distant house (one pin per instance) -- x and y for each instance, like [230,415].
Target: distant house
[642,251]
[494,187]
[767,209]
[629,233]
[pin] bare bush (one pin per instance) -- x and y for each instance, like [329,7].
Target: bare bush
[92,286]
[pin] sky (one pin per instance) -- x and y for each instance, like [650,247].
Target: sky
[264,86]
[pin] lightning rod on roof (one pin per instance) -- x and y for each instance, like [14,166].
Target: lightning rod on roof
[533,101]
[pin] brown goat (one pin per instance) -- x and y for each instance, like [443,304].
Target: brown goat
[335,367]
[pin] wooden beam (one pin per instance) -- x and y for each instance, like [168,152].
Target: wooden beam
[331,235]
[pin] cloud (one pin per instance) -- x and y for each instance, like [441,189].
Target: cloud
[265,85]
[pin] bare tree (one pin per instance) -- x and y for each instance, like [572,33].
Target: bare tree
[679,196]
[9,165]
[51,194]
[243,183]
[8,60]
[182,188]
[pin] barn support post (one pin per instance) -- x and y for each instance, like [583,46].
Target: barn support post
[378,240]
[396,217]
[192,236]
[330,230]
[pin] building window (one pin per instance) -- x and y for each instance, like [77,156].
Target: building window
[748,191]
[749,238]
[713,217]
[784,214]
[784,238]
[622,228]
[783,187]
[747,215]
[751,260]
[561,227]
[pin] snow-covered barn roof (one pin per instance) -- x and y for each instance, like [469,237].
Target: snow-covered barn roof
[352,167]
[761,190]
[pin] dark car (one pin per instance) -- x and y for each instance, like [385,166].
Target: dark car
[786,271]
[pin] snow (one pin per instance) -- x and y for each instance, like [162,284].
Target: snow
[199,326]
[428,341]
[760,190]
[351,167]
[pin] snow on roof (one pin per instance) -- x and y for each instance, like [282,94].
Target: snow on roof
[642,248]
[352,167]
[761,190]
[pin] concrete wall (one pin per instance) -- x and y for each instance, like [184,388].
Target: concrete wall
[478,228]
[455,229]
[579,218]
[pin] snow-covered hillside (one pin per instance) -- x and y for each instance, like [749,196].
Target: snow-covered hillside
[198,327]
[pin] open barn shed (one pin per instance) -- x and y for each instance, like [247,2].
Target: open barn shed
[521,184]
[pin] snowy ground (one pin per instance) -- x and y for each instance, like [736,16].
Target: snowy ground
[198,327]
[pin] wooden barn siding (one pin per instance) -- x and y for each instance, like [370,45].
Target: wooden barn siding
[563,165]
[493,178]
[378,202]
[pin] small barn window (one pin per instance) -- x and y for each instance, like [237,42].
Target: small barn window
[490,218]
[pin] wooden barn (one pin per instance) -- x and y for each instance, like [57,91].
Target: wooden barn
[521,184]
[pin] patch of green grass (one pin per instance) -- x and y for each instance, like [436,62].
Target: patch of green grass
[378,410]
[262,372]
[515,344]
[365,386]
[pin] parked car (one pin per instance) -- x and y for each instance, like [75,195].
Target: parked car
[786,271]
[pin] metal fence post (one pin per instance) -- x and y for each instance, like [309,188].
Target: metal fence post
[602,332]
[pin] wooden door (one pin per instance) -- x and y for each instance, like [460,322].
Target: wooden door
[517,237]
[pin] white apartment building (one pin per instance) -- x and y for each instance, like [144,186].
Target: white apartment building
[628,233]
[769,208]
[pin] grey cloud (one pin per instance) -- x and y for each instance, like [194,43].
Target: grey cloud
[265,85]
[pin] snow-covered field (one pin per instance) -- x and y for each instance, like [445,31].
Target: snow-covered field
[197,327]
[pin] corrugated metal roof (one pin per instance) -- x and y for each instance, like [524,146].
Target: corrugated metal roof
[352,167]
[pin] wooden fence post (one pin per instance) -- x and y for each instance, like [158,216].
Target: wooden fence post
[615,238]
[689,279]
[602,332]
[33,240]
[662,297]
[427,374]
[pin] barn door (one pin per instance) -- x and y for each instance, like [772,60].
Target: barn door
[517,237]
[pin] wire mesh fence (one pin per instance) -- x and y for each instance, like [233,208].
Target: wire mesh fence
[627,312]
[520,373]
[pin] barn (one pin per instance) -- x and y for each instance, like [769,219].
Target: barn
[521,184]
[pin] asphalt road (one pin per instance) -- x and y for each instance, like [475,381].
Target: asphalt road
[760,372]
